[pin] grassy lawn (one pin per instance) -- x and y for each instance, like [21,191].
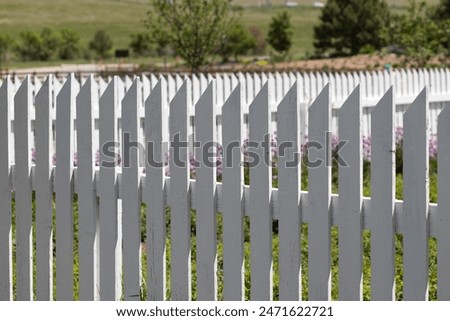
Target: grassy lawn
[121,18]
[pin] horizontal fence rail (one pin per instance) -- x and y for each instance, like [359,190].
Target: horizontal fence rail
[127,230]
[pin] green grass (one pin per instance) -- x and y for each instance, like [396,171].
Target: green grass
[121,18]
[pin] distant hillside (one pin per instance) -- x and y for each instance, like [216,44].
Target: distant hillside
[121,18]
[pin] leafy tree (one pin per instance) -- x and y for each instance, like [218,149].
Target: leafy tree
[141,44]
[346,26]
[280,33]
[101,44]
[443,10]
[6,43]
[193,28]
[70,45]
[416,35]
[237,41]
[30,46]
[35,46]
[260,40]
[50,43]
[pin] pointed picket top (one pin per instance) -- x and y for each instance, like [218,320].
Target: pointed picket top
[291,97]
[43,91]
[385,104]
[179,81]
[206,97]
[260,96]
[183,95]
[154,80]
[322,100]
[131,95]
[68,88]
[348,107]
[418,105]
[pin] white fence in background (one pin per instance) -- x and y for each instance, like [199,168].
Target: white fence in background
[109,199]
[406,84]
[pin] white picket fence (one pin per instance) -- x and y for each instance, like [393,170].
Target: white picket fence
[406,84]
[109,199]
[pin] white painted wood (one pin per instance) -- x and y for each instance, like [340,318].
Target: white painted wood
[319,197]
[443,238]
[415,199]
[44,193]
[260,192]
[131,106]
[350,199]
[110,244]
[278,86]
[251,90]
[171,87]
[87,102]
[6,106]
[233,197]
[180,281]
[383,199]
[22,182]
[206,231]
[289,228]
[157,119]
[196,89]
[65,111]
[219,90]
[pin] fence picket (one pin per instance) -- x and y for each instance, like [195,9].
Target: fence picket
[44,193]
[319,199]
[415,199]
[157,120]
[260,195]
[6,103]
[233,197]
[179,198]
[289,196]
[110,244]
[350,199]
[205,187]
[65,110]
[131,106]
[22,182]
[87,100]
[443,262]
[101,254]
[383,199]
